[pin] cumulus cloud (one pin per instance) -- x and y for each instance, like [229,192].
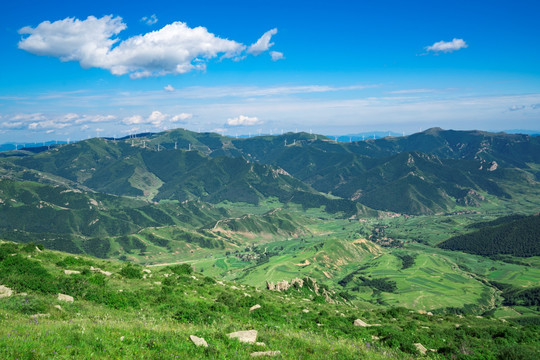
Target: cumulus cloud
[149,20]
[516,107]
[243,120]
[156,118]
[447,46]
[174,49]
[181,117]
[276,55]
[263,43]
[135,119]
[169,88]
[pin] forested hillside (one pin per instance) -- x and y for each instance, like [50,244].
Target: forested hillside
[519,238]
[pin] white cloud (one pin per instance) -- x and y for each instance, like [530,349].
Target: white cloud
[263,43]
[243,120]
[94,118]
[87,41]
[39,121]
[173,49]
[135,119]
[13,125]
[169,88]
[47,124]
[276,55]
[181,117]
[28,117]
[149,20]
[447,46]
[516,107]
[156,118]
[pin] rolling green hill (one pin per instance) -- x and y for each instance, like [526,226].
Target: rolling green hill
[86,222]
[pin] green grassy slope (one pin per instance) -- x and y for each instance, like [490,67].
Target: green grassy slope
[150,313]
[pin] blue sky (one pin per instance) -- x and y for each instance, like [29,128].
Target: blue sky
[73,70]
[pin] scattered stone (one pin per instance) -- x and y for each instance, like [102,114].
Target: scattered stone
[503,320]
[429,313]
[122,338]
[64,297]
[265,353]
[493,166]
[260,344]
[423,312]
[40,315]
[5,291]
[248,336]
[420,348]
[319,325]
[359,322]
[58,307]
[234,288]
[306,299]
[373,337]
[71,272]
[193,277]
[479,317]
[148,271]
[305,310]
[37,249]
[198,341]
[157,282]
[458,325]
[342,315]
[106,273]
[254,307]
[247,295]
[425,327]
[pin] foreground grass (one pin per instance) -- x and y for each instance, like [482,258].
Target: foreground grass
[151,314]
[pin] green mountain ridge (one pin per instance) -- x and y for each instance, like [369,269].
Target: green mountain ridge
[429,172]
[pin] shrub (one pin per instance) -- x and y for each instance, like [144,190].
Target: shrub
[131,271]
[23,274]
[182,269]
[517,352]
[26,305]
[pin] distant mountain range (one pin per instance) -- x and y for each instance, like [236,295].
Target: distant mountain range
[429,172]
[340,138]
